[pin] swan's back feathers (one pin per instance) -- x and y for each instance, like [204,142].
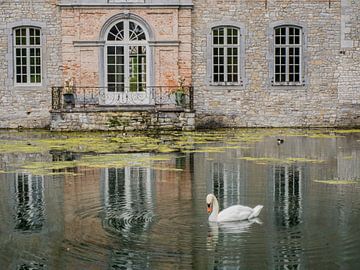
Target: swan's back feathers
[239,212]
[234,213]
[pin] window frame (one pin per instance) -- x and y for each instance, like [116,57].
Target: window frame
[126,43]
[303,80]
[28,48]
[225,46]
[241,56]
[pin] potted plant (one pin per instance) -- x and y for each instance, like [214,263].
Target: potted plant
[180,93]
[68,95]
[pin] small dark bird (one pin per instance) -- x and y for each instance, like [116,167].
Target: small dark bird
[280,141]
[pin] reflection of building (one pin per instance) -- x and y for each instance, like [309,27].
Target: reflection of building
[128,199]
[287,186]
[29,202]
[287,181]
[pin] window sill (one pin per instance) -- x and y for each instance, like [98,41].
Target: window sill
[213,86]
[288,86]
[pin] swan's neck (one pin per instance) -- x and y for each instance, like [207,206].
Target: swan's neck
[215,211]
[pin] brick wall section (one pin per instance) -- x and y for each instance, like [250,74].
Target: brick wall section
[258,103]
[168,24]
[28,106]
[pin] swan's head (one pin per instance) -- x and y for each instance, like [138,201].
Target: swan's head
[209,202]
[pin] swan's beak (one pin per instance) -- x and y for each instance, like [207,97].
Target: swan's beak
[209,208]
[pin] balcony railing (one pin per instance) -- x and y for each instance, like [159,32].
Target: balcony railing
[171,97]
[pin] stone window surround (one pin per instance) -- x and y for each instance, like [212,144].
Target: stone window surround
[270,56]
[10,55]
[241,64]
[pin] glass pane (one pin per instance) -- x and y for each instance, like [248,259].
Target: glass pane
[116,32]
[111,68]
[136,32]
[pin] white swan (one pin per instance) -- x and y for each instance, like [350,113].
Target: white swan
[232,213]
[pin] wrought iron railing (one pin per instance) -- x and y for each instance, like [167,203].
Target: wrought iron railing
[87,97]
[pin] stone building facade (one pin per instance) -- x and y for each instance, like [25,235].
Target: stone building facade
[251,63]
[327,92]
[25,101]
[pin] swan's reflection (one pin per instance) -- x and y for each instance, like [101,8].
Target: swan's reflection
[234,227]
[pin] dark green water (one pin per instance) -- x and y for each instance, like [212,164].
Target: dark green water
[153,216]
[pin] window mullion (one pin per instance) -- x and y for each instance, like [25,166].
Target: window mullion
[225,56]
[287,77]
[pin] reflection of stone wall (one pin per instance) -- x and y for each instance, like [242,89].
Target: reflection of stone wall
[41,231]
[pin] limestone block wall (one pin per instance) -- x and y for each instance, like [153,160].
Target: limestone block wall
[122,120]
[328,72]
[28,106]
[349,67]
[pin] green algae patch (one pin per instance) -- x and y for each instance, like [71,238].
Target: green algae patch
[100,161]
[346,131]
[337,182]
[324,136]
[266,160]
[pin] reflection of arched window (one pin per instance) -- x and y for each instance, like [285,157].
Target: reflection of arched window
[288,194]
[126,57]
[29,202]
[226,183]
[128,199]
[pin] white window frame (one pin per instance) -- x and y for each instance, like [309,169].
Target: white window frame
[303,83]
[226,46]
[27,46]
[126,43]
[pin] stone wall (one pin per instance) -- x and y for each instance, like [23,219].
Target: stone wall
[349,67]
[28,106]
[329,73]
[122,120]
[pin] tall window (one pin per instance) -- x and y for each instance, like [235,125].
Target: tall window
[126,50]
[27,54]
[226,55]
[288,55]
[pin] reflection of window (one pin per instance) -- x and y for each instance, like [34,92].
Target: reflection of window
[27,55]
[29,204]
[128,199]
[217,176]
[288,194]
[226,183]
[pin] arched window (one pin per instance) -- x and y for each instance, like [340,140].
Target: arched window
[126,57]
[27,55]
[225,56]
[288,54]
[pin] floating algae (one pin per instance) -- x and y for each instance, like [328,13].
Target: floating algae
[337,182]
[265,160]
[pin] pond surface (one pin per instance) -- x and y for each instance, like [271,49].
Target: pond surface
[127,201]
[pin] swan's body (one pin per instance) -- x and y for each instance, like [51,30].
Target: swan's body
[232,213]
